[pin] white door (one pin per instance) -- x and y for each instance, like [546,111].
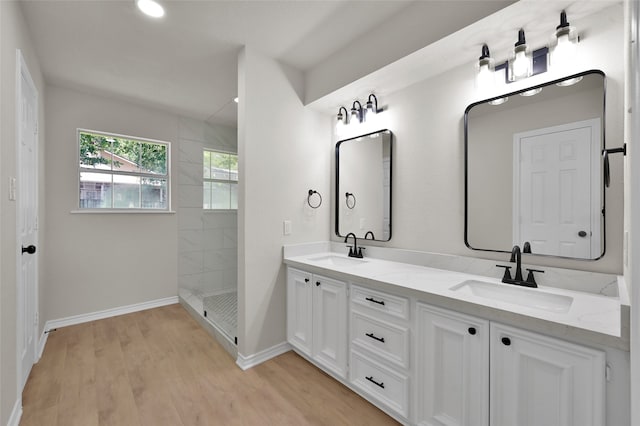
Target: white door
[540,381]
[299,314]
[330,324]
[453,368]
[556,190]
[27,232]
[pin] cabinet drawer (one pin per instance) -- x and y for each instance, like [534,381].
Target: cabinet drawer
[383,384]
[382,338]
[380,301]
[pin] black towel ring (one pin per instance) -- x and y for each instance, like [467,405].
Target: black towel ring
[350,196]
[311,192]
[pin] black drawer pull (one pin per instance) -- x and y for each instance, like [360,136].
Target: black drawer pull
[374,337]
[306,280]
[506,341]
[371,299]
[317,283]
[370,378]
[472,331]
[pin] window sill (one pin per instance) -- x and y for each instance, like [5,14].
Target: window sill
[121,211]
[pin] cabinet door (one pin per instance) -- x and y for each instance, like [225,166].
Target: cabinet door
[540,381]
[299,305]
[330,324]
[452,368]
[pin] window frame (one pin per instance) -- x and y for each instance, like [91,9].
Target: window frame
[112,209]
[218,151]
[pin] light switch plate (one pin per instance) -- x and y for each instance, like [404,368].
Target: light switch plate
[12,189]
[286,227]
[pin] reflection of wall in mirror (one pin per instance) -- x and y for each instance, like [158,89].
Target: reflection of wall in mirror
[361,173]
[490,145]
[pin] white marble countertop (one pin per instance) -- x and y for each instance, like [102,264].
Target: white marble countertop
[592,318]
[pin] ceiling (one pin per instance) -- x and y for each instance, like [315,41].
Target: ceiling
[186,62]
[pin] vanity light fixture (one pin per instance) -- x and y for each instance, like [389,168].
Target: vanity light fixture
[531,92]
[569,82]
[499,101]
[342,119]
[564,43]
[356,113]
[520,62]
[150,8]
[485,75]
[372,106]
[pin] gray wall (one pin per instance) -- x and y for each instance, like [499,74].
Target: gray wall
[13,35]
[283,152]
[97,261]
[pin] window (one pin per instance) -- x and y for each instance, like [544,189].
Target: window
[220,175]
[122,172]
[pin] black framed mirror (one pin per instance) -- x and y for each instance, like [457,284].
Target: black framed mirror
[363,186]
[534,171]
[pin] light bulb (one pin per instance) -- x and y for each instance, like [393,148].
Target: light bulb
[150,8]
[564,53]
[521,65]
[485,78]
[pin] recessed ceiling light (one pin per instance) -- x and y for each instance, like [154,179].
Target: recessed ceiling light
[150,8]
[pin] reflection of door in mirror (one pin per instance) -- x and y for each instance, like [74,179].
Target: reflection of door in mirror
[552,195]
[555,178]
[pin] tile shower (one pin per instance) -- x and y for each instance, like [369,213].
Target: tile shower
[207,240]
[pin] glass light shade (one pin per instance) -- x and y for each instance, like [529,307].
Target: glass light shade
[485,79]
[531,92]
[564,49]
[520,65]
[355,117]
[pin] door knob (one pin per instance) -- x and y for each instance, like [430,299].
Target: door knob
[582,234]
[29,249]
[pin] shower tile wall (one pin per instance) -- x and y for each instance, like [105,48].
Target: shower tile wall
[208,241]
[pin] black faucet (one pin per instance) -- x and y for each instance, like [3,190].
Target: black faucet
[354,250]
[516,257]
[369,233]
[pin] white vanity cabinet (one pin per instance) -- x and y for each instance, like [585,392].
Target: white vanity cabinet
[537,380]
[379,335]
[473,372]
[317,319]
[452,369]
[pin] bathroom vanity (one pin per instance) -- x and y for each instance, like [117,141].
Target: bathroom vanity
[450,344]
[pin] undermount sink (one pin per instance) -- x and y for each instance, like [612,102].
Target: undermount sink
[529,298]
[335,260]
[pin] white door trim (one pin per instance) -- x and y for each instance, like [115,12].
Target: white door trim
[596,187]
[23,71]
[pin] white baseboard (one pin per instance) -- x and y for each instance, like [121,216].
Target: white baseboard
[41,343]
[16,413]
[246,362]
[108,313]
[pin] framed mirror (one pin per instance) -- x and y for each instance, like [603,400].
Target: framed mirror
[363,186]
[533,169]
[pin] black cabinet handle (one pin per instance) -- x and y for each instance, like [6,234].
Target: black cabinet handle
[306,280]
[29,249]
[472,331]
[317,283]
[370,378]
[374,337]
[506,341]
[371,299]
